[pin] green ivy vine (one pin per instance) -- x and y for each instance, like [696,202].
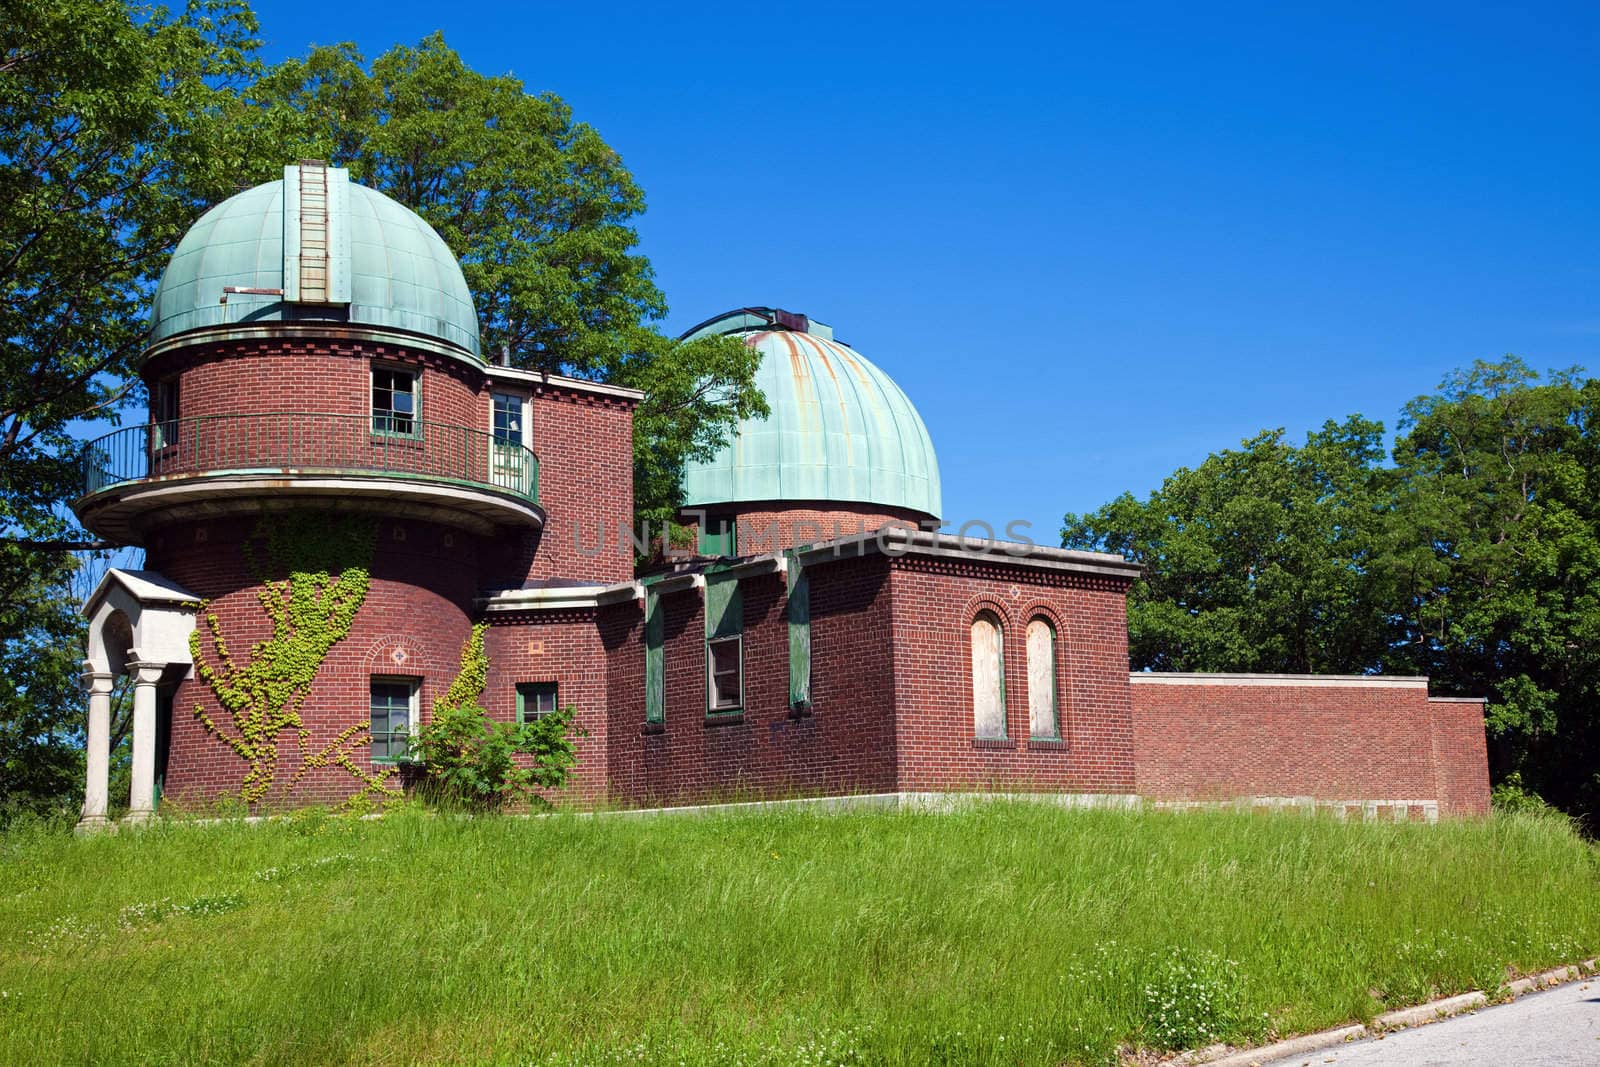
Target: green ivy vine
[313,571]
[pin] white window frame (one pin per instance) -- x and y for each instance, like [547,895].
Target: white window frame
[712,704]
[416,400]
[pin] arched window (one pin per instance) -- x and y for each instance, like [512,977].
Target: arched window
[1043,722]
[988,678]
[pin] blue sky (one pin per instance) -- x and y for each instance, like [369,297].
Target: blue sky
[1093,243]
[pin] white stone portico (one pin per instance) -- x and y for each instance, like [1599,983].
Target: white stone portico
[139,625]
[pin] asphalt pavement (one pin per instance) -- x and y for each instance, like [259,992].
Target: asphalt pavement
[1557,1028]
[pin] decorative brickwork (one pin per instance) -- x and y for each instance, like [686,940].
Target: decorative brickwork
[935,602]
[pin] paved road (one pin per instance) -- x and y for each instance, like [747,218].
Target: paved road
[1556,1028]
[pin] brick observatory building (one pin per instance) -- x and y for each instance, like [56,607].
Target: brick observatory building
[320,408]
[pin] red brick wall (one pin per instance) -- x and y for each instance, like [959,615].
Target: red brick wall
[418,601]
[585,448]
[1460,756]
[775,525]
[935,602]
[562,647]
[1346,742]
[305,375]
[844,746]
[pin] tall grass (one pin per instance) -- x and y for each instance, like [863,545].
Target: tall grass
[1006,933]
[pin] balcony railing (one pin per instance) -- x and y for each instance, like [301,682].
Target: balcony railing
[301,443]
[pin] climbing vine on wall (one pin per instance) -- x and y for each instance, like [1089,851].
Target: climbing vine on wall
[313,572]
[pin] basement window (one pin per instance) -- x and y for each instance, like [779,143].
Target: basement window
[394,704]
[394,402]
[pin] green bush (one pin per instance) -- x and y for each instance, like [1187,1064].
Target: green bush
[1512,796]
[470,760]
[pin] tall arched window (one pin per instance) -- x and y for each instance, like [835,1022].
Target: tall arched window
[988,678]
[1043,722]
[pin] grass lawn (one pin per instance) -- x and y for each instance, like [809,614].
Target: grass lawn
[1006,933]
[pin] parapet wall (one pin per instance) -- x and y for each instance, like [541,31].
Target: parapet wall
[1332,739]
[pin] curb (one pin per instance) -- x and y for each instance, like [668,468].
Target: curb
[1432,1011]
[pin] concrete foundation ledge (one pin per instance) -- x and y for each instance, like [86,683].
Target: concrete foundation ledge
[1421,1014]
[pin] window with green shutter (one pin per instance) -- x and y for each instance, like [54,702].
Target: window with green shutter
[724,646]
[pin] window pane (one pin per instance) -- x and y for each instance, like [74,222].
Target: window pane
[508,418]
[1042,719]
[988,703]
[725,673]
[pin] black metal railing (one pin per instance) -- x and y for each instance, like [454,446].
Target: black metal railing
[301,442]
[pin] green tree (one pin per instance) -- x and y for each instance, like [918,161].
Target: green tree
[1259,559]
[1496,557]
[118,124]
[540,211]
[1474,558]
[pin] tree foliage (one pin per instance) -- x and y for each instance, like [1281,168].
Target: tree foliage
[118,125]
[540,211]
[1472,557]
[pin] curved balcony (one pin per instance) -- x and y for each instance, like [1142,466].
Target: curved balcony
[238,464]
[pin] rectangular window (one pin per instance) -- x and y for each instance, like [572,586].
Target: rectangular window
[726,674]
[507,419]
[510,468]
[394,703]
[535,700]
[724,645]
[164,413]
[394,401]
[717,538]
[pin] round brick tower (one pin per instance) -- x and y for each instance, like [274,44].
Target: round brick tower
[323,472]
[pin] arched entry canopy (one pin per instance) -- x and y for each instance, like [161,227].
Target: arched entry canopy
[139,625]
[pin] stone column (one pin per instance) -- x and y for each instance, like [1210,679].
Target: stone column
[142,795]
[97,741]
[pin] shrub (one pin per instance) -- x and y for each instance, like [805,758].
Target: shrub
[470,760]
[1512,796]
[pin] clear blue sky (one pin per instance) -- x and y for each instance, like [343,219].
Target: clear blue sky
[1092,242]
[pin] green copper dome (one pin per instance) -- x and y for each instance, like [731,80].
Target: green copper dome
[340,253]
[840,428]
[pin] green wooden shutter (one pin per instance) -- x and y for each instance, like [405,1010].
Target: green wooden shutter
[799,634]
[654,664]
[724,607]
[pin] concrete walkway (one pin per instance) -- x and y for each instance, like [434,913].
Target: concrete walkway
[1551,1029]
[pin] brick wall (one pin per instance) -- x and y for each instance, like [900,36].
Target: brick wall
[1460,755]
[562,647]
[422,585]
[774,525]
[1359,740]
[845,745]
[305,375]
[935,602]
[585,448]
